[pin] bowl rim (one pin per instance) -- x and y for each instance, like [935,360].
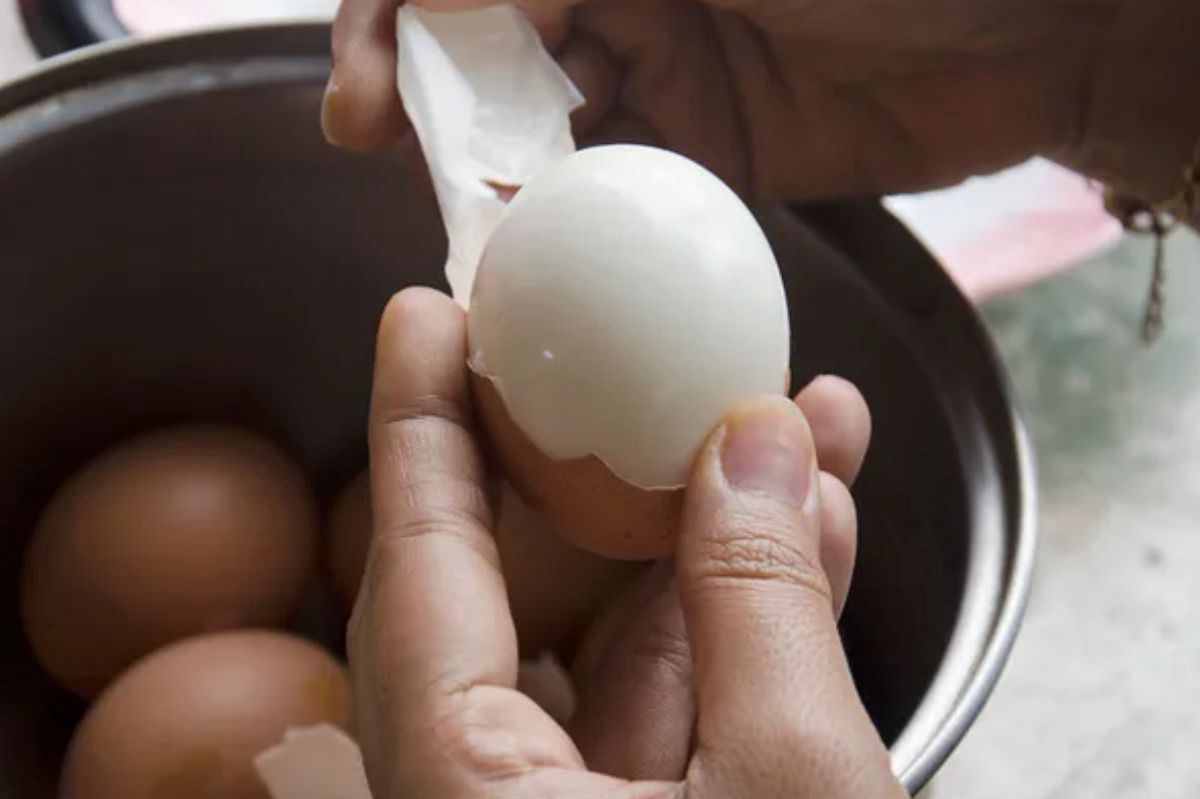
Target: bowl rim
[103,78]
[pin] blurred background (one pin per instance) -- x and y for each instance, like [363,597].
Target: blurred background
[1098,698]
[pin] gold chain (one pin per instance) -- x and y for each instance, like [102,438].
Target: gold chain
[1158,220]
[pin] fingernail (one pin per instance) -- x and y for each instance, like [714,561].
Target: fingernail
[768,449]
[328,111]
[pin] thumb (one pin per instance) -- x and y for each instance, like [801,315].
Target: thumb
[777,709]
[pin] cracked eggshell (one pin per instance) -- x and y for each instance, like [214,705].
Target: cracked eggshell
[317,762]
[626,302]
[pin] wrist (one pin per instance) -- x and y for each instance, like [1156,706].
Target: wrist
[1141,121]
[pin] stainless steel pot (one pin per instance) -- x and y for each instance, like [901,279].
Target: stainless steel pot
[177,242]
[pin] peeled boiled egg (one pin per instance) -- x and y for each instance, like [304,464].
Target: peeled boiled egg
[625,302]
[180,531]
[554,588]
[188,721]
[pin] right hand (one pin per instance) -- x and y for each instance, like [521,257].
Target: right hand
[433,648]
[797,99]
[637,710]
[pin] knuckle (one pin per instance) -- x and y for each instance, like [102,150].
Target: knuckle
[457,523]
[417,414]
[747,545]
[478,741]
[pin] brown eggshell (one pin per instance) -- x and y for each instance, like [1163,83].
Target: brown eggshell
[177,532]
[187,721]
[582,499]
[553,586]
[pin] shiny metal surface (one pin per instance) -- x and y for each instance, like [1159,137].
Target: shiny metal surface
[179,243]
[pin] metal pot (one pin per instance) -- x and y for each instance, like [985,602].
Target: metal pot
[179,243]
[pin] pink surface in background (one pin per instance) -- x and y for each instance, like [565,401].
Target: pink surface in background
[148,17]
[1024,248]
[1001,233]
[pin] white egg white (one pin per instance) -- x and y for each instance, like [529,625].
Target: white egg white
[626,301]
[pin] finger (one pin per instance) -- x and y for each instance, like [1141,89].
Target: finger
[590,66]
[545,681]
[431,621]
[551,21]
[635,711]
[775,696]
[841,425]
[361,110]
[839,537]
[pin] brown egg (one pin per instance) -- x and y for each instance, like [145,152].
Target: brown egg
[187,721]
[553,586]
[177,532]
[582,499]
[347,539]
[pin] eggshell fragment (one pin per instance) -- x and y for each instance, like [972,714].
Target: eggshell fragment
[626,301]
[323,762]
[176,532]
[318,762]
[187,721]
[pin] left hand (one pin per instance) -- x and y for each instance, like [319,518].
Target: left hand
[788,100]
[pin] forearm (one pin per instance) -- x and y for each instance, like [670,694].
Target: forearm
[1141,125]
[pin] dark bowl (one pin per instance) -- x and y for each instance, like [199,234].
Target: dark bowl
[179,243]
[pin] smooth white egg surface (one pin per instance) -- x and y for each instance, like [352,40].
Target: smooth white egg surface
[626,301]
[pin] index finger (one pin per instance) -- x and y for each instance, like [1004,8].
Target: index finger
[432,619]
[361,110]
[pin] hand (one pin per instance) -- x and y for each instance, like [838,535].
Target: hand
[636,706]
[432,646]
[795,99]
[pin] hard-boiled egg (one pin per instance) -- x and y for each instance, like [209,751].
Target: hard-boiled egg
[181,531]
[625,302]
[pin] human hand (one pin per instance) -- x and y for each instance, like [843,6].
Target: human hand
[636,707]
[794,99]
[432,646]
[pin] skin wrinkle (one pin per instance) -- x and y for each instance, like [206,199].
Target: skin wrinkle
[492,751]
[747,548]
[446,521]
[423,411]
[669,648]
